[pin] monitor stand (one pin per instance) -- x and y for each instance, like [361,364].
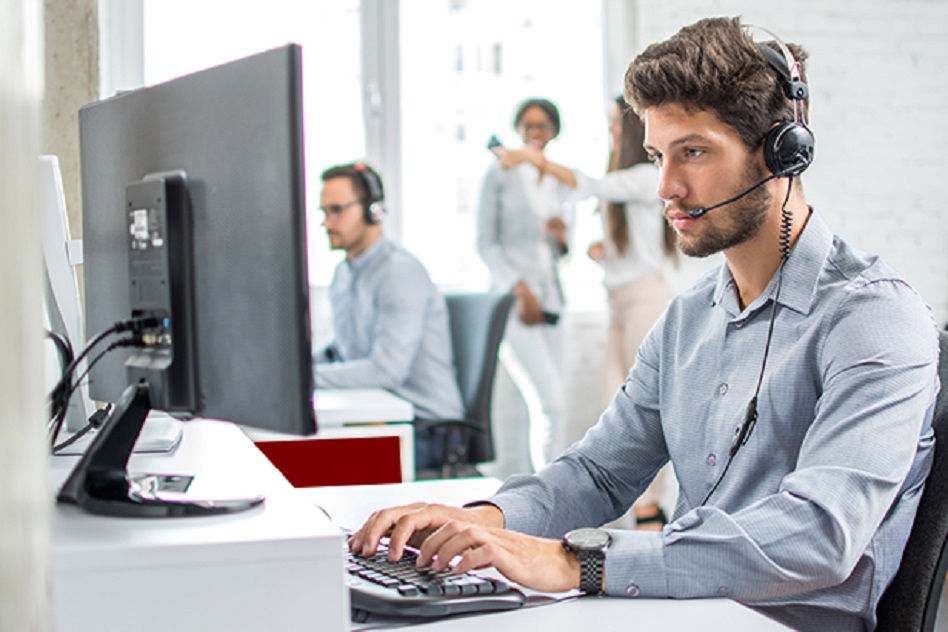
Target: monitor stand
[100,482]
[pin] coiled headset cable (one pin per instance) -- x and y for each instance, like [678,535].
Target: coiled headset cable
[743,432]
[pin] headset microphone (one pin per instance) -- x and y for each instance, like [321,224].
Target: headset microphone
[701,210]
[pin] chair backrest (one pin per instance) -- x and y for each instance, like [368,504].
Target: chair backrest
[911,600]
[477,326]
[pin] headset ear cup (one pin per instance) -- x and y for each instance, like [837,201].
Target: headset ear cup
[789,148]
[374,212]
[373,207]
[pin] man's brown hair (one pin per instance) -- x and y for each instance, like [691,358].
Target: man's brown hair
[714,65]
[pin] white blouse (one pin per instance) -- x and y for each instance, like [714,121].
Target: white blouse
[637,187]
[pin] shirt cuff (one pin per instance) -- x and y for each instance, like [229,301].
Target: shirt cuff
[518,515]
[635,564]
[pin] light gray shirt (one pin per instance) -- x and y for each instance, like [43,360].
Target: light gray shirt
[513,206]
[390,330]
[811,519]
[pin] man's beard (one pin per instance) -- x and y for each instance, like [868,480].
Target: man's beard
[745,217]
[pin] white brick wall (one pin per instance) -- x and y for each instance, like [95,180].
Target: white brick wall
[879,99]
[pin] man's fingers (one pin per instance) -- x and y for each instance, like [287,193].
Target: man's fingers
[365,541]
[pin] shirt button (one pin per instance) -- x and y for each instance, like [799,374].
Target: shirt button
[712,460]
[722,389]
[739,324]
[723,591]
[632,590]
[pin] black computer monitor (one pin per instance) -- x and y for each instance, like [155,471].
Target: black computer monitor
[194,228]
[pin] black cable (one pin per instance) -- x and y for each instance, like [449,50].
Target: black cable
[64,389]
[59,396]
[743,432]
[94,422]
[96,418]
[63,347]
[135,325]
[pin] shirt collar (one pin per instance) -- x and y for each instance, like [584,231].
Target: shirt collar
[369,255]
[800,275]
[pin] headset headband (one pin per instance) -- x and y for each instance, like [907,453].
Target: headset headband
[794,88]
[373,206]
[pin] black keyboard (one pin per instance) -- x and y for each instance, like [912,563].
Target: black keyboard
[378,586]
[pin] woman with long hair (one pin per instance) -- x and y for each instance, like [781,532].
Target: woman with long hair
[637,244]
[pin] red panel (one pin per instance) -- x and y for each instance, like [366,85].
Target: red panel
[342,461]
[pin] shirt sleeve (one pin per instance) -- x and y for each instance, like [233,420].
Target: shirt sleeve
[403,304]
[568,214]
[636,183]
[489,209]
[859,453]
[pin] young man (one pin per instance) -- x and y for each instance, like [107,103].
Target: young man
[390,323]
[805,513]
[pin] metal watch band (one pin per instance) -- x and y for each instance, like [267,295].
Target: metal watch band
[590,571]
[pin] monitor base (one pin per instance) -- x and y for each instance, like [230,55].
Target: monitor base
[100,483]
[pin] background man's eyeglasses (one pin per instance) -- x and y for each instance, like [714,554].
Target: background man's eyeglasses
[335,209]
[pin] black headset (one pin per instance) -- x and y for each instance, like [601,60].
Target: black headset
[373,206]
[789,146]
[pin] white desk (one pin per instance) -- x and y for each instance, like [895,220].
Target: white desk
[350,506]
[275,567]
[341,407]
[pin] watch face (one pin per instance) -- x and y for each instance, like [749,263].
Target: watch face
[588,539]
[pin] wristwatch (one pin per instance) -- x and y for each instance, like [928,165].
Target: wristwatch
[589,546]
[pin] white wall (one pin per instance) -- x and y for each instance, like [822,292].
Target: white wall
[878,105]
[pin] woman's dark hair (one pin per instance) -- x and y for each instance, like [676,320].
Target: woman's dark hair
[548,107]
[629,153]
[714,65]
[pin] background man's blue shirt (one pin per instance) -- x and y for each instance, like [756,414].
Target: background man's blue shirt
[390,328]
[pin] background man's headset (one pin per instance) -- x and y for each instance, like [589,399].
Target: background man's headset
[373,206]
[788,151]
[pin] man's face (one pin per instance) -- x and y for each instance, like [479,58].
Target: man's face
[702,162]
[343,217]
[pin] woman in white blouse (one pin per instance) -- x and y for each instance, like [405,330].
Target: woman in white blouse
[636,246]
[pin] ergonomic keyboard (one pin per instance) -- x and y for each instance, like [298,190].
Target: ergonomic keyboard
[380,587]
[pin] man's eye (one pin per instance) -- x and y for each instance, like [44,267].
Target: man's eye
[654,158]
[694,153]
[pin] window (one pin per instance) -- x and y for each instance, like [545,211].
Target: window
[464,67]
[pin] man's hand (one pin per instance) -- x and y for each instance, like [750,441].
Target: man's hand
[537,563]
[411,524]
[476,536]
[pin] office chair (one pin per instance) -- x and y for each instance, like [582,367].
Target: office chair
[911,600]
[477,322]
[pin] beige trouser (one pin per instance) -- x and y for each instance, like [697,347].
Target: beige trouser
[633,309]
